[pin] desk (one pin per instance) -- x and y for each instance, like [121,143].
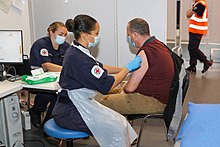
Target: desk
[7,88]
[47,87]
[11,133]
[51,87]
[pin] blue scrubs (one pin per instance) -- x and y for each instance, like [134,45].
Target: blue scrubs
[42,51]
[78,72]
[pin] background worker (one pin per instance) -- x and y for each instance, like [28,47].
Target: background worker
[198,26]
[48,53]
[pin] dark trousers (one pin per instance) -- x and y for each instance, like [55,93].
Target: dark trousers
[194,51]
[42,100]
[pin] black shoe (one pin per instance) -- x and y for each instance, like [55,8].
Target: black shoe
[191,69]
[206,66]
[35,117]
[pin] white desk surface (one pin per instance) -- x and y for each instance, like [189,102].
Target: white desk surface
[47,86]
[7,88]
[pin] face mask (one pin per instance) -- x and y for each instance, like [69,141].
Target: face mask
[60,39]
[130,42]
[95,43]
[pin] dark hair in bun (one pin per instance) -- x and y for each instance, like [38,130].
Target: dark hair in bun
[81,23]
[69,25]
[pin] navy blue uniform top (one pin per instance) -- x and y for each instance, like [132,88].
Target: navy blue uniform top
[42,51]
[77,72]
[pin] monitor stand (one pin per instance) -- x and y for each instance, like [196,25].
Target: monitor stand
[2,77]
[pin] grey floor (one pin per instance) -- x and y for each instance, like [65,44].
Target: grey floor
[203,89]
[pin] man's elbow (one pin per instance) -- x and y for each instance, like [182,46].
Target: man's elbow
[129,89]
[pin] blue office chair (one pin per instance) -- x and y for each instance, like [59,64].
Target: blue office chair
[53,130]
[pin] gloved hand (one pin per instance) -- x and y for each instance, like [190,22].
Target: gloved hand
[134,64]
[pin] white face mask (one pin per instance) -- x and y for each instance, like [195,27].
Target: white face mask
[95,43]
[60,39]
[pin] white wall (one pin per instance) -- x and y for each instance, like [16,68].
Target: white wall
[17,19]
[45,12]
[113,16]
[171,20]
[105,13]
[153,11]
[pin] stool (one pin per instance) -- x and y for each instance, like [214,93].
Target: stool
[53,130]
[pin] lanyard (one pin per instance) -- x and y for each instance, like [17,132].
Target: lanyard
[85,51]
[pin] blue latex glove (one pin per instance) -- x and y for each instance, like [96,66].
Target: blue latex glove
[134,64]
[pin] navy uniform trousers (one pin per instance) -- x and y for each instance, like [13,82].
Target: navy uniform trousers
[41,102]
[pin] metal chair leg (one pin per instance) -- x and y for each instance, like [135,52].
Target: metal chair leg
[140,132]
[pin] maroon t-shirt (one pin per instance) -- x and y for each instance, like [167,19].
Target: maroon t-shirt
[159,76]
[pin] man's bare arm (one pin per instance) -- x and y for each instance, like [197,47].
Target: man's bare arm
[137,75]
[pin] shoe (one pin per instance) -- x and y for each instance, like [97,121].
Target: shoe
[35,117]
[134,142]
[191,69]
[206,66]
[210,62]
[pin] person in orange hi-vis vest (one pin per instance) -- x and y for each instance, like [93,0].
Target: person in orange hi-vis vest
[198,26]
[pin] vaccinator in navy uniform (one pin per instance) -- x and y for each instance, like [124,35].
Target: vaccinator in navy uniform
[81,78]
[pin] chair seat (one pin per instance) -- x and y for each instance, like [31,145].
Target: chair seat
[53,130]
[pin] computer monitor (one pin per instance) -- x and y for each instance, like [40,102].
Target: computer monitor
[11,48]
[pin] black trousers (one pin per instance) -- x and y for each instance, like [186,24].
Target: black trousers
[42,100]
[194,52]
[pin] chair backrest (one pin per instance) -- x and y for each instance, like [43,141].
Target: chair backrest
[173,110]
[174,89]
[185,85]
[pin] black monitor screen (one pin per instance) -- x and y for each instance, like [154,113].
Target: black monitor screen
[11,46]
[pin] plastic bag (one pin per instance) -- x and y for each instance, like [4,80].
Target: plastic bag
[109,128]
[39,79]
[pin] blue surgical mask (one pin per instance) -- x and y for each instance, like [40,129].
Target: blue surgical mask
[60,39]
[95,43]
[130,42]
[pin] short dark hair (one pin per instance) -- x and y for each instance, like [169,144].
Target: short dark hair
[81,23]
[140,26]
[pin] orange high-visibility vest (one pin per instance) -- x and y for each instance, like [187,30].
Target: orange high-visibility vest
[199,25]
